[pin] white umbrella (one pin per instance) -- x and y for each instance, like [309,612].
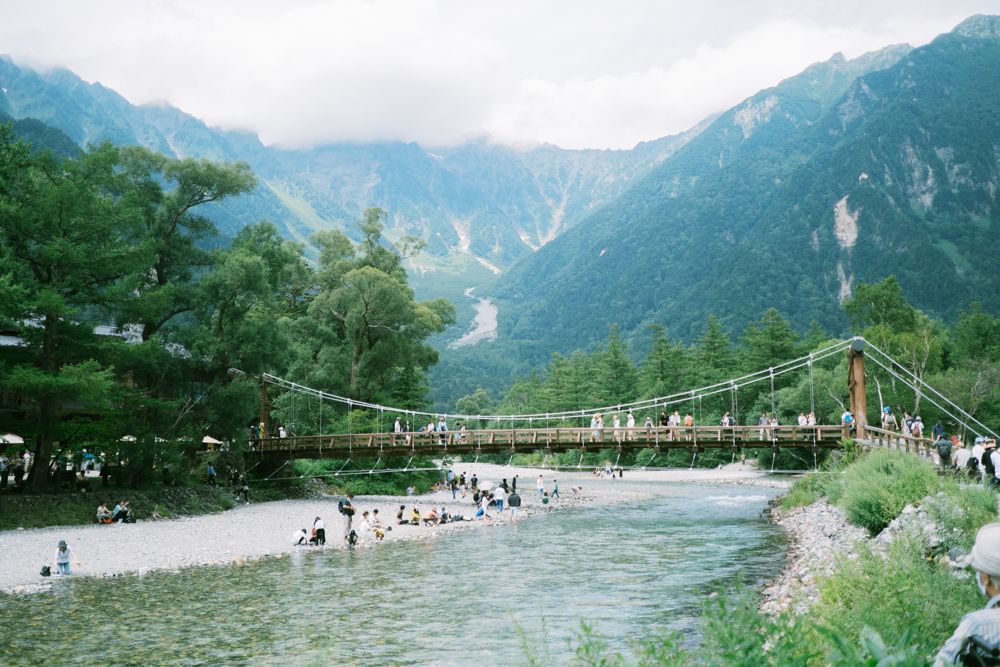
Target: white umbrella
[12,439]
[209,440]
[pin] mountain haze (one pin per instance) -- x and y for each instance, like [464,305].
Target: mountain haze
[480,199]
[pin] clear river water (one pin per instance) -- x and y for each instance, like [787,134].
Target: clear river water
[464,598]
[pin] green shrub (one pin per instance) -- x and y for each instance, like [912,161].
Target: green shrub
[895,594]
[879,486]
[960,511]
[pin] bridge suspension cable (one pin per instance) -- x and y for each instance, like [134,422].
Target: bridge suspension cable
[930,396]
[660,402]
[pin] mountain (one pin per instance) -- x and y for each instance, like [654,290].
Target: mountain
[846,173]
[480,206]
[40,136]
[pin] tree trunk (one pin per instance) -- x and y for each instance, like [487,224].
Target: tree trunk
[48,415]
[48,411]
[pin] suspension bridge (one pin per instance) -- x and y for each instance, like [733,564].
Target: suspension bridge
[567,430]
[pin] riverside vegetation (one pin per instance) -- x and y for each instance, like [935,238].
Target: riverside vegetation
[894,602]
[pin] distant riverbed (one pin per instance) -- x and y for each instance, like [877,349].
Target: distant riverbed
[485,322]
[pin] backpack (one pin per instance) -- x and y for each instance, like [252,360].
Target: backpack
[340,506]
[352,538]
[975,652]
[944,449]
[46,571]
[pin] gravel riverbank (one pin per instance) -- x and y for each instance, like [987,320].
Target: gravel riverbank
[818,533]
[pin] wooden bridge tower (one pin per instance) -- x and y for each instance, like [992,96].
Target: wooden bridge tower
[856,385]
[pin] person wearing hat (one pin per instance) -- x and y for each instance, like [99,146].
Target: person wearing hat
[62,558]
[983,624]
[989,470]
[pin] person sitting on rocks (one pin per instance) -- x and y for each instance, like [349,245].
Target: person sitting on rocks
[431,517]
[122,513]
[104,514]
[415,516]
[399,516]
[978,633]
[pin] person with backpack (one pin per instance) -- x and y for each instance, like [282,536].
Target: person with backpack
[943,447]
[977,637]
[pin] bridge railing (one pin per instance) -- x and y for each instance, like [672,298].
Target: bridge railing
[436,442]
[879,437]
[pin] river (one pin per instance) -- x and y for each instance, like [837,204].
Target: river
[485,322]
[468,597]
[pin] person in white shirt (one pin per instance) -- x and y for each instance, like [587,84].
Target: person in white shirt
[62,558]
[319,532]
[300,536]
[499,496]
[803,420]
[630,425]
[961,457]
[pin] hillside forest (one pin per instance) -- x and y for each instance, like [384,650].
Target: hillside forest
[131,327]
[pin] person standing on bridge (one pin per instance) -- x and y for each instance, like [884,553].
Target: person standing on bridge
[847,419]
[688,426]
[442,427]
[630,426]
[763,422]
[803,420]
[397,428]
[938,430]
[616,425]
[664,423]
[675,422]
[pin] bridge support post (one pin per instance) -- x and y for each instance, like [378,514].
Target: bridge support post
[265,409]
[856,386]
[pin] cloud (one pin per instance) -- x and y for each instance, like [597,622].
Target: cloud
[580,73]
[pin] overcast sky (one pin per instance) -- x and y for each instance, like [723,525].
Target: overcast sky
[577,73]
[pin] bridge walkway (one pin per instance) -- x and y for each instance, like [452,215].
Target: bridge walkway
[511,440]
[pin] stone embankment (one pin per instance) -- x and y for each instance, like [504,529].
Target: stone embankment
[820,534]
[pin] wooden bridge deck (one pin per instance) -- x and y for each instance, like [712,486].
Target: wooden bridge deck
[360,445]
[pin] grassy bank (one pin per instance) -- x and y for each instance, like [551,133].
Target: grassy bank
[68,509]
[884,606]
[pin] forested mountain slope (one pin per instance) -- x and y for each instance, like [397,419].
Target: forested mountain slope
[851,171]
